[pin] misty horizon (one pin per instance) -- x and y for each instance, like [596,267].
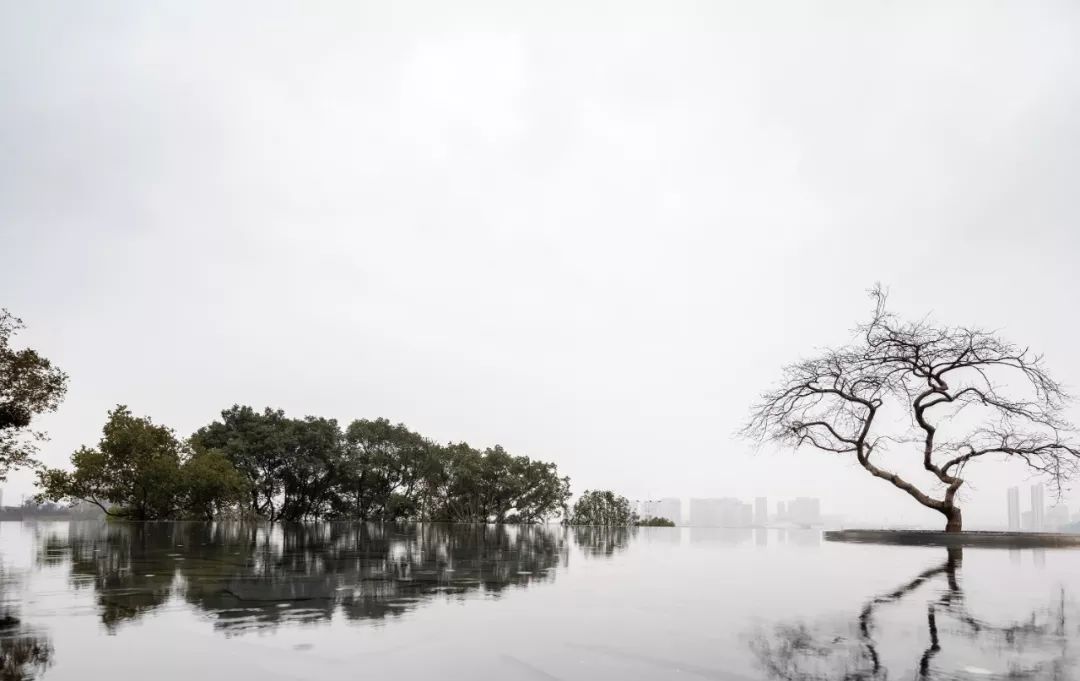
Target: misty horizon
[594,247]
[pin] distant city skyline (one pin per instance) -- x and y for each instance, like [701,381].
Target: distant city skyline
[731,512]
[1038,517]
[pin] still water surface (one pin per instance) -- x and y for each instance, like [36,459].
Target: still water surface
[88,600]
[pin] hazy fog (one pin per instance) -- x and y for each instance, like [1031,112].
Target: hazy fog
[589,231]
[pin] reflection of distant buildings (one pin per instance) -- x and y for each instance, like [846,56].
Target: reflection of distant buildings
[804,537]
[733,536]
[721,535]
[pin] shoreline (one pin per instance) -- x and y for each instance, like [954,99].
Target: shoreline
[1003,540]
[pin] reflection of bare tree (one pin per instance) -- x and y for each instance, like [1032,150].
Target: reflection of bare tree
[251,576]
[1031,648]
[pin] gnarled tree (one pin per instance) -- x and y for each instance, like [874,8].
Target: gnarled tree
[968,396]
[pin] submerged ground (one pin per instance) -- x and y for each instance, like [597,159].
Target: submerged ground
[346,601]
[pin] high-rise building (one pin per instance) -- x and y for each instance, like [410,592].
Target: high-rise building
[1014,509]
[1038,509]
[761,511]
[781,512]
[746,515]
[720,513]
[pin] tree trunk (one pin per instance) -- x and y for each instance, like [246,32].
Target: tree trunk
[953,519]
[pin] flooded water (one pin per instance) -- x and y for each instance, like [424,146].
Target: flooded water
[349,601]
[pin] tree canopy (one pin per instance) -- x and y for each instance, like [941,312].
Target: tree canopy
[846,401]
[29,385]
[602,507]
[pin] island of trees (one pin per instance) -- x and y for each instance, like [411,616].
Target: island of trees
[262,464]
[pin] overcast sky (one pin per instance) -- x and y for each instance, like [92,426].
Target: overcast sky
[592,232]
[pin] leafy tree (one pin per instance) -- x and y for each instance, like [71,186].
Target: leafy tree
[602,508]
[309,472]
[257,444]
[540,493]
[457,485]
[385,470]
[930,372]
[212,486]
[134,472]
[141,471]
[29,385]
[493,486]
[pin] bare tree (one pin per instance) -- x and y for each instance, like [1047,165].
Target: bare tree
[835,402]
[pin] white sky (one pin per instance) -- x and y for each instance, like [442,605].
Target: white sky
[589,231]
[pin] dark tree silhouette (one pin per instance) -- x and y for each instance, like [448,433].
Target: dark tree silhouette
[834,402]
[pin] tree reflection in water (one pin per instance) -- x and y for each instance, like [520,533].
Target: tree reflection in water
[599,540]
[1030,648]
[23,656]
[253,576]
[24,653]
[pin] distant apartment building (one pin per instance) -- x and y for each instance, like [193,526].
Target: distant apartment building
[761,511]
[720,513]
[1038,509]
[746,515]
[1014,509]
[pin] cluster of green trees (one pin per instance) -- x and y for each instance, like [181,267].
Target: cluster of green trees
[606,509]
[602,507]
[266,465]
[253,464]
